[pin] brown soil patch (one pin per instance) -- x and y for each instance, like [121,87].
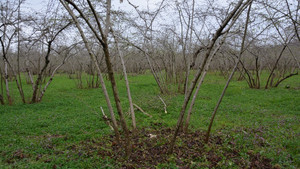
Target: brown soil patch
[150,145]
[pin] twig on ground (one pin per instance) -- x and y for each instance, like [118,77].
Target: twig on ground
[165,106]
[141,110]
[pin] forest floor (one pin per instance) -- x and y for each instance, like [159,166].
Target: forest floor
[253,128]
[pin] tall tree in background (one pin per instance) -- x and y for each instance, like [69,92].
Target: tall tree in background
[9,29]
[49,30]
[147,48]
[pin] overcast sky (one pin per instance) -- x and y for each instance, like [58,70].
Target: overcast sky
[40,4]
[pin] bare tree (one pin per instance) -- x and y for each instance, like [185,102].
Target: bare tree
[102,37]
[52,36]
[221,42]
[67,55]
[217,34]
[286,40]
[275,26]
[186,37]
[148,19]
[188,117]
[9,31]
[231,75]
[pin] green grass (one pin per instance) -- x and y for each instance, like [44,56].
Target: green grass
[40,135]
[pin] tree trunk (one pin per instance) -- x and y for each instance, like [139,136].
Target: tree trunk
[199,72]
[6,65]
[93,57]
[1,99]
[38,81]
[126,81]
[18,75]
[39,78]
[188,117]
[1,84]
[230,77]
[257,73]
[286,77]
[9,99]
[104,43]
[117,99]
[30,78]
[275,65]
[50,80]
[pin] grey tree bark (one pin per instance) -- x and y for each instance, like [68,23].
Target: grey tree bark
[52,76]
[148,28]
[217,34]
[38,81]
[188,117]
[93,57]
[103,41]
[126,81]
[231,75]
[9,99]
[185,129]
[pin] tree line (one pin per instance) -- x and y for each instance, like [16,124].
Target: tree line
[178,42]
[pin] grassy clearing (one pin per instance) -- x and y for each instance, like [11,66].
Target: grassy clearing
[42,135]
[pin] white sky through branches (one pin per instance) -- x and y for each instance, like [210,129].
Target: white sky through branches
[39,5]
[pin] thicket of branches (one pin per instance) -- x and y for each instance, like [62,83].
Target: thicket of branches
[173,40]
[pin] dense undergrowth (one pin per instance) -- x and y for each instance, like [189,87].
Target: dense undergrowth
[257,125]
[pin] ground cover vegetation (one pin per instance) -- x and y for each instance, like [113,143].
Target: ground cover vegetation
[255,128]
[125,84]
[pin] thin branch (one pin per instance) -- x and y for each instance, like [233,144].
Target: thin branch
[141,110]
[165,106]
